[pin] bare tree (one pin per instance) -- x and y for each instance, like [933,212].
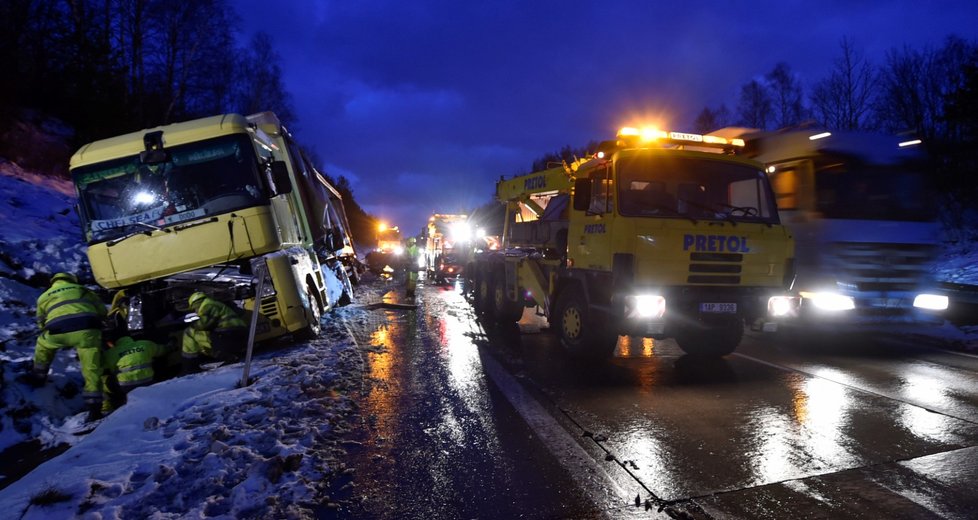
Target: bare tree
[786,96]
[260,81]
[844,100]
[755,105]
[193,50]
[915,84]
[710,119]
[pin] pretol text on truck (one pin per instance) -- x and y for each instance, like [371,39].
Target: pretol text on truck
[213,205]
[657,234]
[865,221]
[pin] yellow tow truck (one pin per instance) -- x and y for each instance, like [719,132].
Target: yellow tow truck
[656,234]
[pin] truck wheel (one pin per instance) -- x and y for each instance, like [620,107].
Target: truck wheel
[713,341]
[315,318]
[505,311]
[347,297]
[582,334]
[483,293]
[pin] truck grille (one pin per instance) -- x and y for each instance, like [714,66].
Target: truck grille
[268,307]
[715,268]
[881,267]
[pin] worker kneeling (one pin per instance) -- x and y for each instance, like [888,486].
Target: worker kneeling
[218,333]
[129,364]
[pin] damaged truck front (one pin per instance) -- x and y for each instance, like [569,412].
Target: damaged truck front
[208,205]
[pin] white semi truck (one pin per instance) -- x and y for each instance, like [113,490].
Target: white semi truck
[865,225]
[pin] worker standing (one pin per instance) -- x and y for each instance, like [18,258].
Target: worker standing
[70,315]
[218,333]
[128,365]
[412,267]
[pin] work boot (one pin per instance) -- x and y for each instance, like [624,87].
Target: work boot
[94,412]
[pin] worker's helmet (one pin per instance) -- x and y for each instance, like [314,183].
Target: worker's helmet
[68,277]
[196,298]
[411,241]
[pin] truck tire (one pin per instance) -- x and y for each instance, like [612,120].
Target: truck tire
[711,341]
[347,297]
[483,293]
[504,310]
[581,333]
[315,313]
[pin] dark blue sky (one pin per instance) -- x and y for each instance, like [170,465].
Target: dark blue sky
[424,104]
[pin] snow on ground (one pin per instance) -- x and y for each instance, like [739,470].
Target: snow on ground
[201,446]
[191,446]
[198,446]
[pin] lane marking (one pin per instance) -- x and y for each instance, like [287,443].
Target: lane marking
[580,465]
[867,391]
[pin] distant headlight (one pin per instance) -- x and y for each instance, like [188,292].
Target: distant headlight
[829,301]
[398,251]
[931,302]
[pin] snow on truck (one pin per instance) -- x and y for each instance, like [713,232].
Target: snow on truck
[215,205]
[656,235]
[865,222]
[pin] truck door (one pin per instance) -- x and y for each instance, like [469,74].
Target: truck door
[590,231]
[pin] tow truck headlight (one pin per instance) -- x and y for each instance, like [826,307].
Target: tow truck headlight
[931,302]
[830,301]
[783,306]
[647,306]
[398,251]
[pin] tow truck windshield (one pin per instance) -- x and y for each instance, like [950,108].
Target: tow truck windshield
[695,188]
[197,180]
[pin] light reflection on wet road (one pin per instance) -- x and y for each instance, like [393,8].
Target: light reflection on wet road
[862,430]
[438,440]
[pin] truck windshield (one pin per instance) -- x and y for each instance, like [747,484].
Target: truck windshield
[694,187]
[873,192]
[205,178]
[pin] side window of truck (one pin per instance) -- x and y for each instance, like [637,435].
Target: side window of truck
[600,192]
[785,184]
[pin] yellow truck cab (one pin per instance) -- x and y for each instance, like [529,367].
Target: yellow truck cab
[209,205]
[657,234]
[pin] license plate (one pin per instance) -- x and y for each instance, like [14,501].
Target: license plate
[723,308]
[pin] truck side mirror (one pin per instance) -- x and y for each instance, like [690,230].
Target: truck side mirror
[280,178]
[582,194]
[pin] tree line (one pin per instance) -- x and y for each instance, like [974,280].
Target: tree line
[930,94]
[107,67]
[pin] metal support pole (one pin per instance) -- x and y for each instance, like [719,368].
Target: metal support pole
[260,271]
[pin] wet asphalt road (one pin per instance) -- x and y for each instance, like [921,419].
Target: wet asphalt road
[465,422]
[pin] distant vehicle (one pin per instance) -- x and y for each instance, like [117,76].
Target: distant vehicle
[389,252]
[225,205]
[448,266]
[657,234]
[865,223]
[446,234]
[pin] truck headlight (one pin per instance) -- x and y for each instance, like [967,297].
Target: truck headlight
[783,306]
[647,306]
[931,302]
[134,315]
[830,301]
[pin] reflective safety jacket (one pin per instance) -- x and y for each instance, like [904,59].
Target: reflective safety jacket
[215,315]
[132,361]
[69,307]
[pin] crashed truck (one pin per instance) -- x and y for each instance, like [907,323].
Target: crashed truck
[864,217]
[225,205]
[657,234]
